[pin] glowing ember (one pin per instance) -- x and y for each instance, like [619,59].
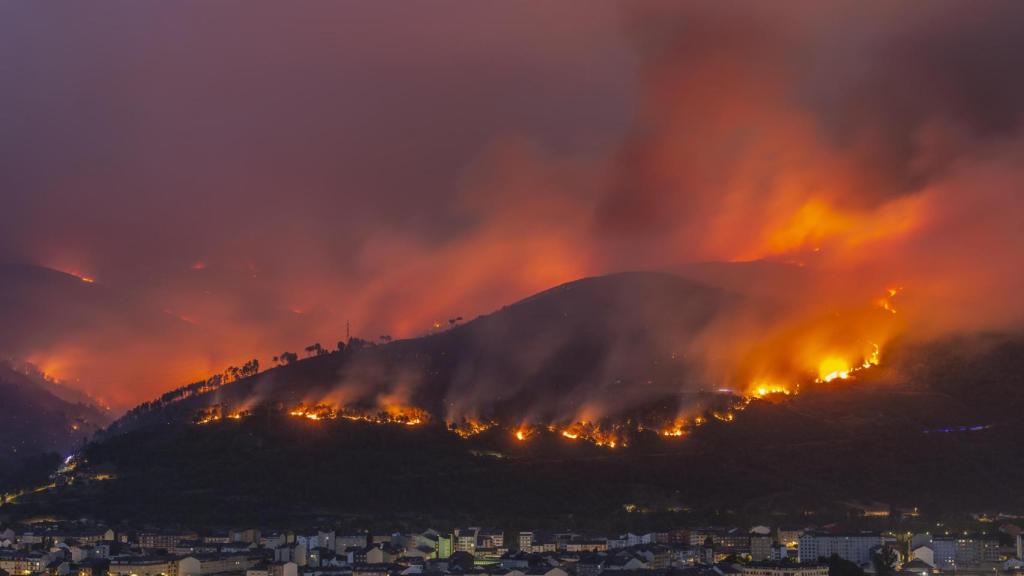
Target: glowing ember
[676,429]
[404,415]
[762,389]
[80,276]
[470,427]
[885,302]
[217,412]
[605,433]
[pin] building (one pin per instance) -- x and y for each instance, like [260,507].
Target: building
[855,547]
[261,569]
[576,546]
[923,553]
[248,535]
[465,540]
[960,552]
[760,547]
[490,539]
[82,537]
[18,563]
[163,540]
[1020,546]
[284,569]
[360,540]
[373,569]
[726,541]
[143,566]
[525,540]
[784,569]
[203,564]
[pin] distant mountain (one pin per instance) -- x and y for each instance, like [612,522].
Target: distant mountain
[45,304]
[40,417]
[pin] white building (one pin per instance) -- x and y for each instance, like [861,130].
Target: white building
[925,554]
[855,547]
[959,552]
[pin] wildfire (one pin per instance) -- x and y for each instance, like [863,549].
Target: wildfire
[217,412]
[471,427]
[836,365]
[724,416]
[676,429]
[885,302]
[388,415]
[608,435]
[838,368]
[763,388]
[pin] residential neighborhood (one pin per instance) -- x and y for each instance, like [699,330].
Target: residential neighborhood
[91,550]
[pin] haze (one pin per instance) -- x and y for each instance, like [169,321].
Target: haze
[239,179]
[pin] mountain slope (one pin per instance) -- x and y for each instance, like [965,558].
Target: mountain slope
[606,343]
[36,421]
[935,427]
[933,443]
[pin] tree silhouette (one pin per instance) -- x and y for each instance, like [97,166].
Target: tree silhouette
[884,559]
[840,567]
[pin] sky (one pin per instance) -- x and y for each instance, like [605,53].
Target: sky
[242,178]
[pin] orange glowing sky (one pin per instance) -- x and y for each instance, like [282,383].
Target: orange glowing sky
[271,180]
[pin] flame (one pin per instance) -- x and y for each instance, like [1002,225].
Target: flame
[394,414]
[471,427]
[885,302]
[675,429]
[836,365]
[833,368]
[216,413]
[608,435]
[838,368]
[724,416]
[762,388]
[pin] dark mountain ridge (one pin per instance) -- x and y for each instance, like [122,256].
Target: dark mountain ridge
[935,427]
[608,341]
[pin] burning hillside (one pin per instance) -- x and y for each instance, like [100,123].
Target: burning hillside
[750,450]
[601,360]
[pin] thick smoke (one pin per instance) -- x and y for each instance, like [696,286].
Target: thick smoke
[260,183]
